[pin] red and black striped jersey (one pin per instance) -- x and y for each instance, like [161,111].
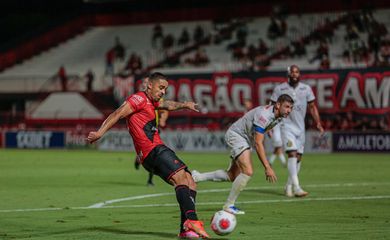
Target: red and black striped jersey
[142,124]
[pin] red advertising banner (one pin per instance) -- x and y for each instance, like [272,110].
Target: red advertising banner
[361,91]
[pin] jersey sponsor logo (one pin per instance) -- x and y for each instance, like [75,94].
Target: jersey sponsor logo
[262,120]
[137,99]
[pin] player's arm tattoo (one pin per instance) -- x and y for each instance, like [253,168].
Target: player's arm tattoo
[172,105]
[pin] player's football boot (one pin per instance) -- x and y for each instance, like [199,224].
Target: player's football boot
[288,191]
[189,234]
[150,183]
[300,193]
[195,175]
[196,226]
[233,210]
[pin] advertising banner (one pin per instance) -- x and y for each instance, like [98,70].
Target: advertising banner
[196,140]
[363,90]
[77,139]
[201,140]
[34,139]
[116,140]
[361,142]
[315,143]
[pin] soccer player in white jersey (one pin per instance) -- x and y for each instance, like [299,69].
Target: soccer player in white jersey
[293,127]
[246,132]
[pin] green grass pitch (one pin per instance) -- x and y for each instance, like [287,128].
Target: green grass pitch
[58,194]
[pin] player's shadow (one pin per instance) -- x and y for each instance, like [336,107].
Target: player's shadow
[148,233]
[128,232]
[117,183]
[277,192]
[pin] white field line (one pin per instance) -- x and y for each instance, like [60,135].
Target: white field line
[206,203]
[260,201]
[103,205]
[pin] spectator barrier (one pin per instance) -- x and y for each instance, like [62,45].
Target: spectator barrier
[196,140]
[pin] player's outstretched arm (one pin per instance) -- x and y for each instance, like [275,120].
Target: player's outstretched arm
[123,111]
[172,105]
[269,172]
[316,116]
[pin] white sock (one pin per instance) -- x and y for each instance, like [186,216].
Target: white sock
[289,181]
[217,176]
[282,158]
[238,185]
[271,158]
[292,171]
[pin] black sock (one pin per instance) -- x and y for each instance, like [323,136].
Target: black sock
[182,215]
[186,202]
[182,219]
[150,179]
[193,194]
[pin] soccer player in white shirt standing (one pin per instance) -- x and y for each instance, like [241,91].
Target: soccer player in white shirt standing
[246,132]
[293,127]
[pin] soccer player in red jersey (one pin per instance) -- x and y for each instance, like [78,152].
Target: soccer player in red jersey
[139,111]
[161,121]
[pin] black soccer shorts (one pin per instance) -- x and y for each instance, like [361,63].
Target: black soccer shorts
[163,162]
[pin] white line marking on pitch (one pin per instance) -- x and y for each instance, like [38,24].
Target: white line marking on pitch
[102,204]
[205,203]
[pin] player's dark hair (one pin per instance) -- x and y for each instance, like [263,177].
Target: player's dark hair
[285,98]
[157,75]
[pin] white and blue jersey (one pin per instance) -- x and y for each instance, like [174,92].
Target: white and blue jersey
[240,135]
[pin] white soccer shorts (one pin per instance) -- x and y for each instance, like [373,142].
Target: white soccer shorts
[236,143]
[293,142]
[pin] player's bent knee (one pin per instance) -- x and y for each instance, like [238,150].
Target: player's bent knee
[248,172]
[292,153]
[191,183]
[179,178]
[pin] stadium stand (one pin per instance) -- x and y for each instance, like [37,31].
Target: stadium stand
[113,49]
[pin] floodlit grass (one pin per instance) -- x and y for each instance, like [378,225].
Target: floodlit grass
[46,195]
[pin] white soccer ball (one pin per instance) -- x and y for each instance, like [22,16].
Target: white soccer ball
[223,223]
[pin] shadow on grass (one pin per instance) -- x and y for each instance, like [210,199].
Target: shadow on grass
[117,183]
[147,233]
[88,231]
[275,192]
[132,232]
